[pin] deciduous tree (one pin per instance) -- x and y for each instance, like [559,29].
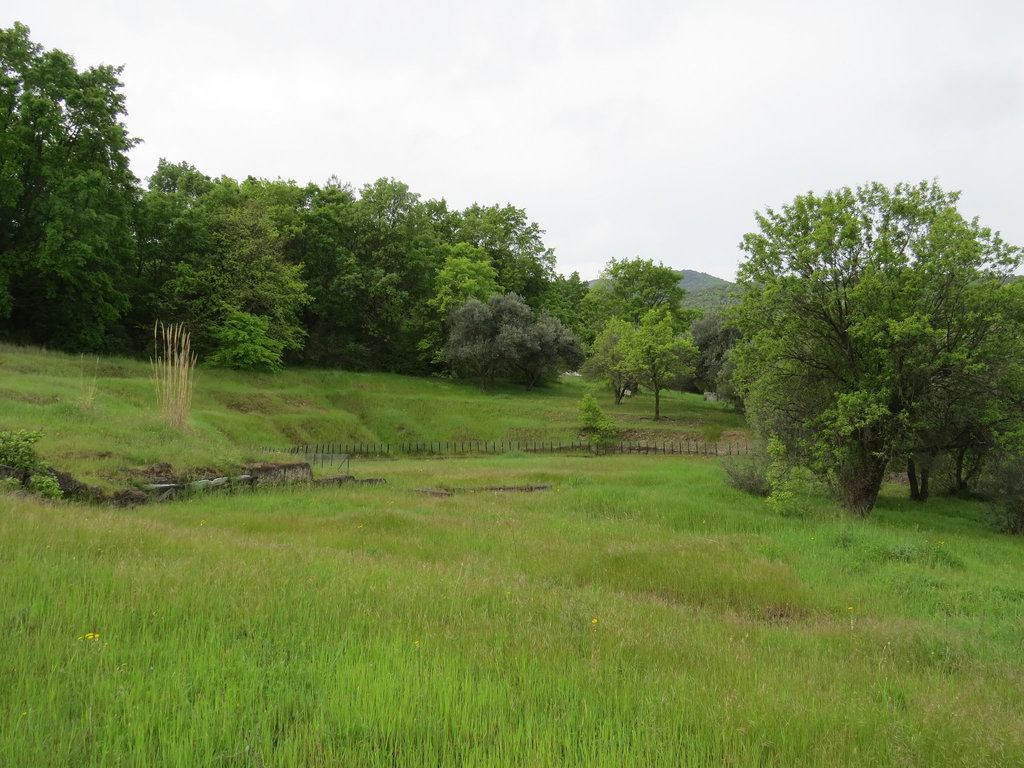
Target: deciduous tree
[857,305]
[659,357]
[66,198]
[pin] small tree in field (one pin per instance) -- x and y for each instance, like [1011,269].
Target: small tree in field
[173,365]
[607,359]
[658,357]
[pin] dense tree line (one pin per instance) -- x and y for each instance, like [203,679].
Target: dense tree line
[261,273]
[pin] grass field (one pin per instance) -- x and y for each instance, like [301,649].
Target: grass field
[100,415]
[638,612]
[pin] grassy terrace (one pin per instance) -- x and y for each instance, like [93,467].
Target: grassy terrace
[640,612]
[99,415]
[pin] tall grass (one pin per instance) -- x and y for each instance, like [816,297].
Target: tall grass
[173,366]
[639,613]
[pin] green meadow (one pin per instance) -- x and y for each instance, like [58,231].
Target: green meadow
[639,612]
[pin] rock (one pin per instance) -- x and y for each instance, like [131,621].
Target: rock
[274,473]
[69,486]
[335,480]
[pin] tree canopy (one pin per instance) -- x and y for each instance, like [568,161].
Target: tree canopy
[863,311]
[66,198]
[503,338]
[629,289]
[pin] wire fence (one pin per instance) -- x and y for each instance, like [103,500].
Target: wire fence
[332,454]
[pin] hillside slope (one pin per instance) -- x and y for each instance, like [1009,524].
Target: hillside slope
[705,291]
[99,415]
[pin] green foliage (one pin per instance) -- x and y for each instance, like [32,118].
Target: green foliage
[596,425]
[868,314]
[629,289]
[502,338]
[17,451]
[466,273]
[1004,487]
[607,360]
[714,338]
[788,488]
[658,357]
[244,342]
[563,300]
[45,485]
[515,246]
[66,199]
[244,270]
[652,354]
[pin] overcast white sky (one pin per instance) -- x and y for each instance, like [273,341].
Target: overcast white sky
[652,129]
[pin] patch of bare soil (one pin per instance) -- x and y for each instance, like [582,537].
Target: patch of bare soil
[496,488]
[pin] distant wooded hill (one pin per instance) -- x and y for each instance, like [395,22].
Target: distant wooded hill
[704,291]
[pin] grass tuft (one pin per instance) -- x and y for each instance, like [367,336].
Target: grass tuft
[173,366]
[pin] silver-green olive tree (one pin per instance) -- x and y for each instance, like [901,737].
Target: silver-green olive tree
[860,308]
[503,338]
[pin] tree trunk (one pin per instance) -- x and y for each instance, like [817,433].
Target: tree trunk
[657,403]
[960,484]
[858,484]
[919,481]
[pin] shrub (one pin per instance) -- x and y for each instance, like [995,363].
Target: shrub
[789,484]
[244,342]
[598,428]
[748,473]
[45,485]
[16,450]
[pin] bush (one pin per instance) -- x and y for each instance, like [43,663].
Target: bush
[16,450]
[789,484]
[748,473]
[45,485]
[598,428]
[244,342]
